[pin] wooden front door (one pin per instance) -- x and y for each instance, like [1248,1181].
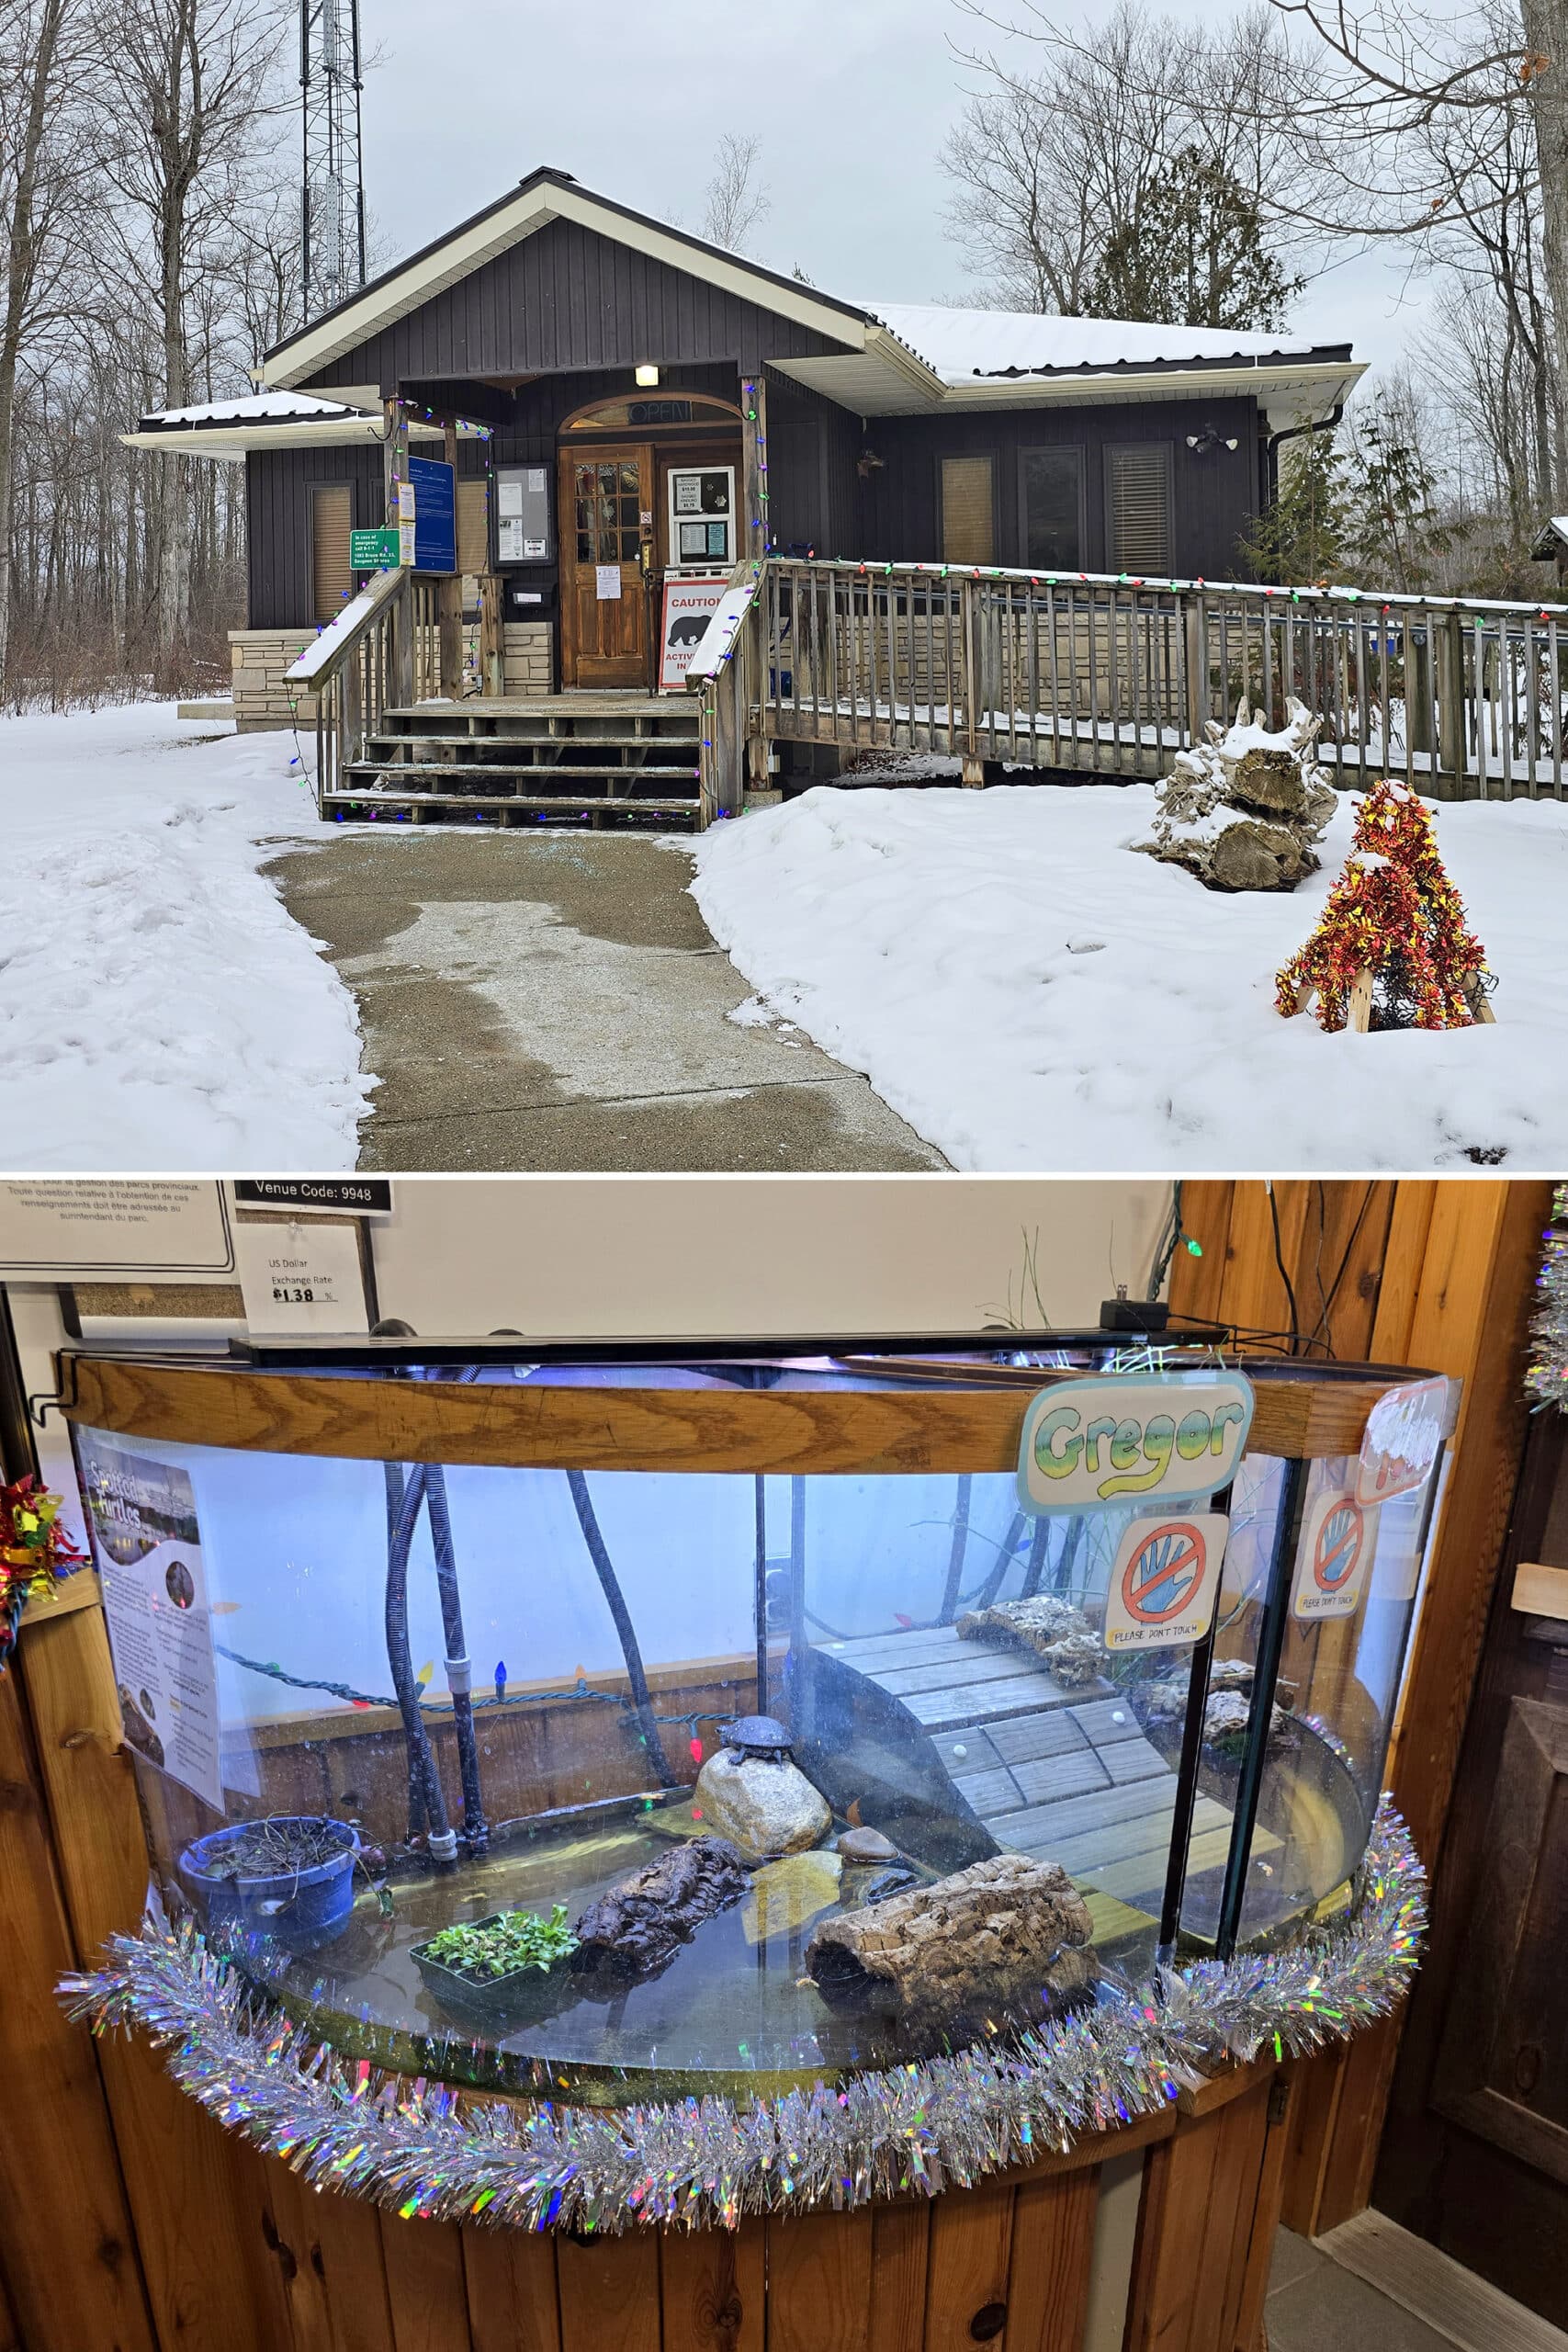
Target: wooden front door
[607,518]
[1475,2151]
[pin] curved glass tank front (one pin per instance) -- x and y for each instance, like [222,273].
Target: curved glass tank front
[416,1699]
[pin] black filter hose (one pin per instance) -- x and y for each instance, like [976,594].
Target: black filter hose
[610,1584]
[475,1828]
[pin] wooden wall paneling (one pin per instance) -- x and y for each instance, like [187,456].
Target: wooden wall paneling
[819,2272]
[609,2293]
[712,2287]
[1338,1273]
[1053,2254]
[900,2243]
[77,2282]
[426,2286]
[1232,2216]
[288,2236]
[1196,1283]
[10,2333]
[338,2240]
[1252,2276]
[1253,1294]
[967,2278]
[1410,1224]
[1471,1319]
[1200,2191]
[514,2302]
[1461,1307]
[199,2197]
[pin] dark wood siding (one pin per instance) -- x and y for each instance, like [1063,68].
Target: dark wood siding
[813,449]
[1214,491]
[567,298]
[278,483]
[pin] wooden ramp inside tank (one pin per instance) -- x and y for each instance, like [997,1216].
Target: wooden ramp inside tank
[1065,1776]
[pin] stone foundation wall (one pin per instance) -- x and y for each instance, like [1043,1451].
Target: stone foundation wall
[260,657]
[530,657]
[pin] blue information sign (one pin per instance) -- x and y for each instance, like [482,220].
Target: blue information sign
[435,514]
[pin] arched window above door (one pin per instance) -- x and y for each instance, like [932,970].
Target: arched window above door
[653,411]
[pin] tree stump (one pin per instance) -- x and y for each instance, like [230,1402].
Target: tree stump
[1007,1934]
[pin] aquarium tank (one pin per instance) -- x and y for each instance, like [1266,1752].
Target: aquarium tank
[647,1721]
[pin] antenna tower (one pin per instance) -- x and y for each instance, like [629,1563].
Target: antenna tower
[333,206]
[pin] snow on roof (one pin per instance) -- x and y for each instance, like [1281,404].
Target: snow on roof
[960,345]
[256,407]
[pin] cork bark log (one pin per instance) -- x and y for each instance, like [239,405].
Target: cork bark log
[636,1925]
[996,1937]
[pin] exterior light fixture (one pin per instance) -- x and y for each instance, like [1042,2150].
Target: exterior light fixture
[647,375]
[1211,437]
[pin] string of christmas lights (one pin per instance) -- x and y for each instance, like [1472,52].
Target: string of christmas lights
[419,2146]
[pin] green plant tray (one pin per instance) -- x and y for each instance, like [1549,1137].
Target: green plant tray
[500,2003]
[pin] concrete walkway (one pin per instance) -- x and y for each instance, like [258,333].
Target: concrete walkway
[554,1002]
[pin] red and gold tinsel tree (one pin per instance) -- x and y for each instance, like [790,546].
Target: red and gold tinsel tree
[1394,914]
[34,1551]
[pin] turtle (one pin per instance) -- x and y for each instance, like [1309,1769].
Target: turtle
[760,1736]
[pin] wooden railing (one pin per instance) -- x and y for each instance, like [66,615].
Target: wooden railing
[382,653]
[1460,699]
[726,671]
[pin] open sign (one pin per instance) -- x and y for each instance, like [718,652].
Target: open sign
[1091,1445]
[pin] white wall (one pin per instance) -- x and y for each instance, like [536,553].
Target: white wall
[695,1255]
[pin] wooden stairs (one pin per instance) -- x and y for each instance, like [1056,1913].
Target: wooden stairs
[569,759]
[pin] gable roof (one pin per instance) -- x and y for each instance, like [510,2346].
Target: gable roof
[882,358]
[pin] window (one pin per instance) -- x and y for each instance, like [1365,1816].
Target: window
[331,519]
[1137,509]
[1051,492]
[968,511]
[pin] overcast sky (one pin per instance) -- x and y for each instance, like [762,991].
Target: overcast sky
[852,100]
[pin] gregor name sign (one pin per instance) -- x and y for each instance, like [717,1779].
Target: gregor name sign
[1095,1445]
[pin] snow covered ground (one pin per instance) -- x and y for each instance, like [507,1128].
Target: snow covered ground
[158,1008]
[1029,994]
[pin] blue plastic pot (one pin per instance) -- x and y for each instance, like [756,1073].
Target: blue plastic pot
[295,1909]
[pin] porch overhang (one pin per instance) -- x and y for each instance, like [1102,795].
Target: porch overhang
[227,429]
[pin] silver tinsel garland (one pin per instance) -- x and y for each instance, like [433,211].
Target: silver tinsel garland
[424,2148]
[1547,1378]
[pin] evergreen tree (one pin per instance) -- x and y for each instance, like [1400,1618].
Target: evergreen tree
[1194,254]
[1300,538]
[1397,531]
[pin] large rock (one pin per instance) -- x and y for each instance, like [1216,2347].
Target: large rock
[1007,1935]
[764,1808]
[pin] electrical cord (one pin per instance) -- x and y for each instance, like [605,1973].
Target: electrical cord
[1284,1274]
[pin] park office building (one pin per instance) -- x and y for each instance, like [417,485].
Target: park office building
[612,388]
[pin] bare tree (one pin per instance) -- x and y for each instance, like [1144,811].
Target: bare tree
[190,85]
[735,199]
[1065,174]
[40,186]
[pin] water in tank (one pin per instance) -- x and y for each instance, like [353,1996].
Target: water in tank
[620,1781]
